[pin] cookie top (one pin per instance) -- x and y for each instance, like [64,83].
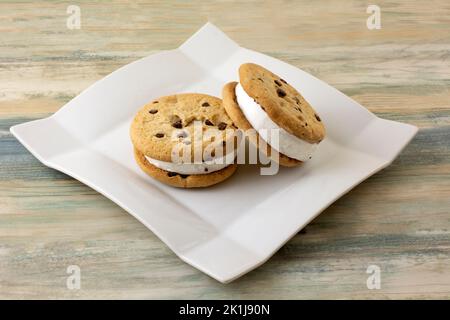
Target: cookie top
[161,126]
[238,117]
[282,103]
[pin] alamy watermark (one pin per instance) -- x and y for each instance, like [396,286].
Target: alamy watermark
[374,20]
[373,282]
[73,281]
[74,19]
[213,146]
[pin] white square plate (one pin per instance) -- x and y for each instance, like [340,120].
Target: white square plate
[229,229]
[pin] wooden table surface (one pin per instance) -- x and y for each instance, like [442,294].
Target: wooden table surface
[399,219]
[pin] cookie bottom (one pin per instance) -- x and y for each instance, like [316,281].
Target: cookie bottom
[238,117]
[183,181]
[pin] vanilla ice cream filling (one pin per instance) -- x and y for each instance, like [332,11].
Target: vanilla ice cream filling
[288,144]
[213,165]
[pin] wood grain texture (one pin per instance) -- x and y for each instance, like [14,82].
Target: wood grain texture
[399,219]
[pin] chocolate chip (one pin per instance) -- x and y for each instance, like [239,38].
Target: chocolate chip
[317,117]
[205,104]
[159,135]
[208,123]
[177,125]
[283,81]
[222,126]
[281,93]
[206,169]
[153,111]
[278,83]
[176,122]
[184,176]
[171,174]
[155,101]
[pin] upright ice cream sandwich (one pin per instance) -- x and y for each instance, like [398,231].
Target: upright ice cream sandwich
[265,102]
